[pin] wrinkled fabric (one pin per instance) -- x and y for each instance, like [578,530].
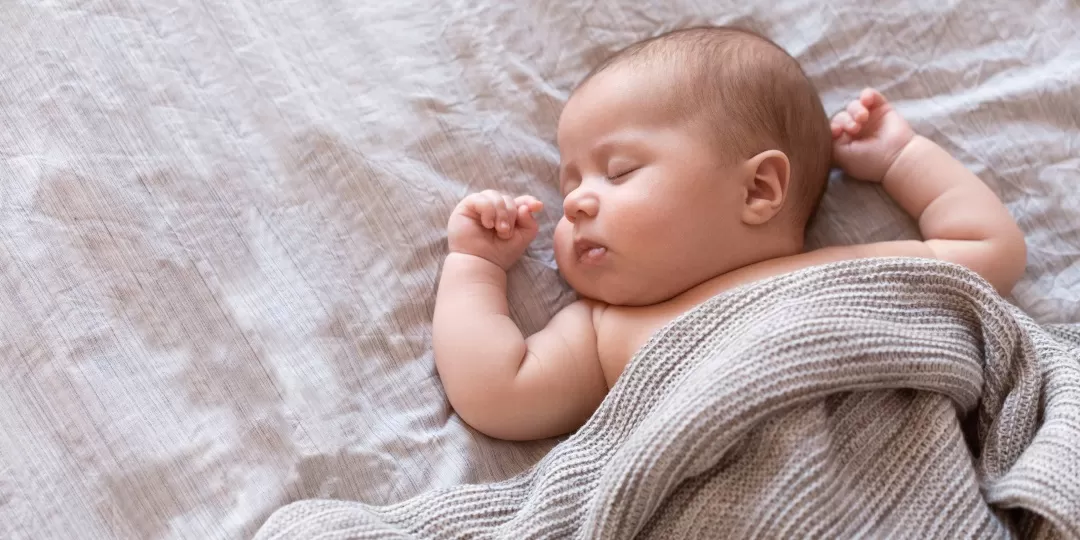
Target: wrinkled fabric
[222,222]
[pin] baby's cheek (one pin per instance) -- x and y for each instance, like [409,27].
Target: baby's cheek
[646,223]
[563,239]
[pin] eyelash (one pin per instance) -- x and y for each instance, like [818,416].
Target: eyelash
[570,187]
[620,175]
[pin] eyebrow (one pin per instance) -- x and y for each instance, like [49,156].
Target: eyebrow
[634,138]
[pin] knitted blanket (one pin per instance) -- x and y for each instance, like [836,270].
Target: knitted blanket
[897,398]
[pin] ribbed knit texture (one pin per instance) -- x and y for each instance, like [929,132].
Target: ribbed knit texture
[897,398]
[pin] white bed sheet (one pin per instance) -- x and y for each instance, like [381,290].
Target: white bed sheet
[222,222]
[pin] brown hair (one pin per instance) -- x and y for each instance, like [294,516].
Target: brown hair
[750,93]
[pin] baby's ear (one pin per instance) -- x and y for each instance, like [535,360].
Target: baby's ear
[766,186]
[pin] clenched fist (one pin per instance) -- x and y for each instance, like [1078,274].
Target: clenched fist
[493,226]
[868,136]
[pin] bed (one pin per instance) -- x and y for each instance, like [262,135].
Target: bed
[222,222]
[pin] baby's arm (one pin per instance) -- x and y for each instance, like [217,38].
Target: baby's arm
[500,383]
[961,220]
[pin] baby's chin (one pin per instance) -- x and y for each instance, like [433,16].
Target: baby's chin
[611,287]
[591,291]
[609,291]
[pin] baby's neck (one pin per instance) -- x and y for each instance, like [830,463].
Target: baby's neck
[766,247]
[768,263]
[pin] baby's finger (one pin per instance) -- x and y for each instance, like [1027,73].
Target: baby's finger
[531,202]
[506,225]
[498,221]
[843,139]
[483,205]
[836,129]
[871,98]
[525,218]
[844,120]
[858,111]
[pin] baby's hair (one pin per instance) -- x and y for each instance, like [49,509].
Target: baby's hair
[751,93]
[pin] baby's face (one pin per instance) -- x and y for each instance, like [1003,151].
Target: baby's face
[651,208]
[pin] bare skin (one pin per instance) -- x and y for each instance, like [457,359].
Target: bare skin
[654,224]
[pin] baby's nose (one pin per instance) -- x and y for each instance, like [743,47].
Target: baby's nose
[579,204]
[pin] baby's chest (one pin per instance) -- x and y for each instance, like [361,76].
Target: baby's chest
[624,330]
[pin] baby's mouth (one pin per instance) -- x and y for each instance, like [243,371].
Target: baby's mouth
[588,251]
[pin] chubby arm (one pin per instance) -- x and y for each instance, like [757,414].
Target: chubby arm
[499,382]
[960,218]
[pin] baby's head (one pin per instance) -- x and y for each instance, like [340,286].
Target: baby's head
[684,157]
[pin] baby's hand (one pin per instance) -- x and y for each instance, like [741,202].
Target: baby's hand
[868,136]
[493,226]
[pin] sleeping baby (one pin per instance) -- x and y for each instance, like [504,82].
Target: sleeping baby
[691,163]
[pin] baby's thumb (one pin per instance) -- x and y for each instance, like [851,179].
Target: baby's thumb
[531,202]
[526,220]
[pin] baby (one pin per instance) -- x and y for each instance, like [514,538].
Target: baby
[691,163]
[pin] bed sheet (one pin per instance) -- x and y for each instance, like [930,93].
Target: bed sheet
[222,222]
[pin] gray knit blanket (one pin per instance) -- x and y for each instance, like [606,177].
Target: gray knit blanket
[897,398]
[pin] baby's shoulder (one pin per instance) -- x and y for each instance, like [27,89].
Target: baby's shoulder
[622,330]
[791,263]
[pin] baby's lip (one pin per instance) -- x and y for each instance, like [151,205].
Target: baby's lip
[588,250]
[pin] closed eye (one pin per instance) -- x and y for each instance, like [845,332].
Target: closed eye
[623,174]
